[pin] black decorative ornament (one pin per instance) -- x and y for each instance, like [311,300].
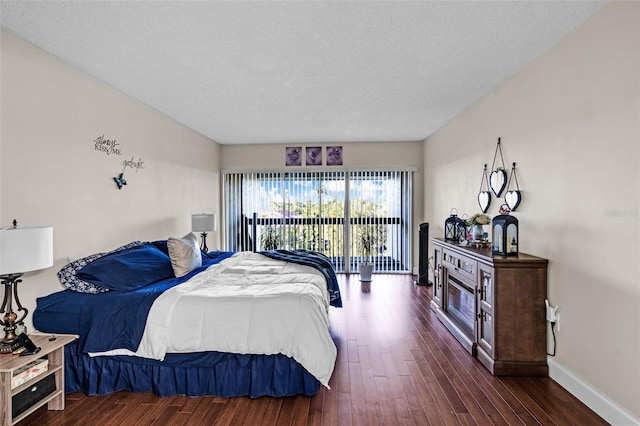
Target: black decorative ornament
[120,181]
[484,196]
[513,196]
[455,229]
[505,235]
[467,226]
[498,177]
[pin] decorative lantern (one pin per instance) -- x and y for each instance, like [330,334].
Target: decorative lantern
[505,235]
[455,229]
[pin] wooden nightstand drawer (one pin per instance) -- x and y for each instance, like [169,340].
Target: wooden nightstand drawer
[28,397]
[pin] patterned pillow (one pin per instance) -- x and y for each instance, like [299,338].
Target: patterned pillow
[68,274]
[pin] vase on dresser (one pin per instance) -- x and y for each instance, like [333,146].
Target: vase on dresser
[477,232]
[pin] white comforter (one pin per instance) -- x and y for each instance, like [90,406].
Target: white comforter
[247,304]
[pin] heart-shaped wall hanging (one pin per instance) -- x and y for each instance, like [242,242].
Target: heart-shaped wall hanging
[513,196]
[497,181]
[484,200]
[484,196]
[498,178]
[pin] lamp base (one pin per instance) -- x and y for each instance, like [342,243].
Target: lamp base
[10,319]
[204,247]
[9,348]
[10,326]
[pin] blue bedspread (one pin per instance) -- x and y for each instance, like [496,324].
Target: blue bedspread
[115,320]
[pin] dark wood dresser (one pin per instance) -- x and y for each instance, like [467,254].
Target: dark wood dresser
[494,306]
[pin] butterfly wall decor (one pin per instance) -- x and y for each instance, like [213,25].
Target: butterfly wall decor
[120,181]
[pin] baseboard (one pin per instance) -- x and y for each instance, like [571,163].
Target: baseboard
[599,403]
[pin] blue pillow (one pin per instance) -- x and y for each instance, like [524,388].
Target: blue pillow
[70,280]
[162,245]
[129,269]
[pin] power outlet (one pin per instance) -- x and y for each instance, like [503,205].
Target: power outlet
[552,312]
[557,321]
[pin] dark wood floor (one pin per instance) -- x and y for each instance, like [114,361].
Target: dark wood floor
[396,364]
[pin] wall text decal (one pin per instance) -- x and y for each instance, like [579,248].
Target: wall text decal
[137,165]
[107,146]
[111,146]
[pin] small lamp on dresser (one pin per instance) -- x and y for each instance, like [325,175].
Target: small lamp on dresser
[203,223]
[22,249]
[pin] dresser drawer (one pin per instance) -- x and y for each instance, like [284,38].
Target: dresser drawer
[462,265]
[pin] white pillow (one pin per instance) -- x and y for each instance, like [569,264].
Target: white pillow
[184,254]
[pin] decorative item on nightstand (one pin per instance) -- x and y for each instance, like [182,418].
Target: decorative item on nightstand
[505,235]
[22,249]
[455,229]
[203,223]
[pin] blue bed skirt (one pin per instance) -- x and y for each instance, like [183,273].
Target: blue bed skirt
[208,373]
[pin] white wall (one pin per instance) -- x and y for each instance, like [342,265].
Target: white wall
[571,121]
[51,174]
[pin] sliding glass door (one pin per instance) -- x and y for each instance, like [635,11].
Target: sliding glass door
[325,211]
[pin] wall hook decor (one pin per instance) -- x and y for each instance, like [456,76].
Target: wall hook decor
[498,177]
[513,196]
[484,196]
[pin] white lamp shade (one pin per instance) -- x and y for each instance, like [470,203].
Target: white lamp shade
[25,249]
[203,222]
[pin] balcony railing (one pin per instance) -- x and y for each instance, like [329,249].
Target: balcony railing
[327,236]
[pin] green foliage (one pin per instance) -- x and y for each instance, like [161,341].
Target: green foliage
[270,238]
[366,242]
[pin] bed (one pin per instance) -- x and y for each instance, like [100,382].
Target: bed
[229,324]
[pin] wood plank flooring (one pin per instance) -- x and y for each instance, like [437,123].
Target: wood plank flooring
[397,365]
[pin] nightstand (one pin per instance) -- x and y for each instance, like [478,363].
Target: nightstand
[45,388]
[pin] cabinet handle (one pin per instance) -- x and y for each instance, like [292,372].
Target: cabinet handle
[482,291]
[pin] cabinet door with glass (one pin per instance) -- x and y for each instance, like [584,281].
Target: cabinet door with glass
[484,294]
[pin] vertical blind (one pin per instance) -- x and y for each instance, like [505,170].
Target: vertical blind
[350,216]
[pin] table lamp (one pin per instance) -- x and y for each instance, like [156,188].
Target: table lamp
[22,249]
[203,223]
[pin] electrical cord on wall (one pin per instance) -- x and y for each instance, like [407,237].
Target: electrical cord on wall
[553,332]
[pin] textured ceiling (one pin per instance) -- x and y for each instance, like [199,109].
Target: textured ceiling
[300,71]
